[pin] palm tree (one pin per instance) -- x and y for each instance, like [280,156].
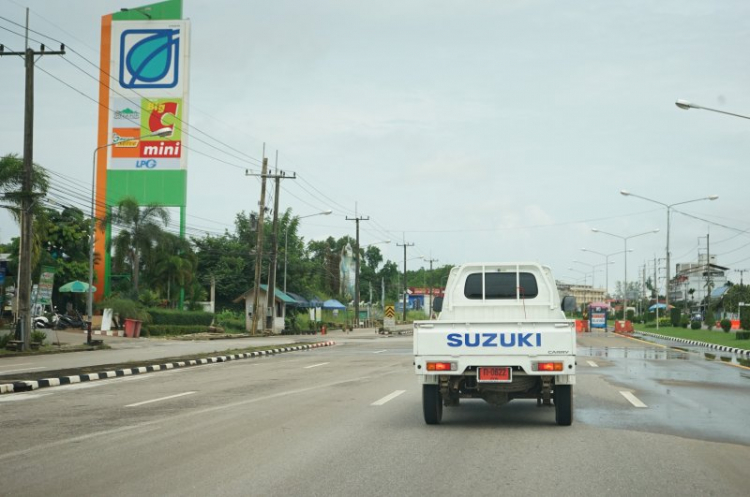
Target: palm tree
[11,196]
[139,229]
[173,262]
[11,182]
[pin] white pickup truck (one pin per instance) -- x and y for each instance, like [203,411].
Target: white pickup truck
[501,334]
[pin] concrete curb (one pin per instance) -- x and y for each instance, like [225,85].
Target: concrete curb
[26,386]
[722,348]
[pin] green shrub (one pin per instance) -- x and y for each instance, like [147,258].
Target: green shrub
[125,309]
[726,325]
[695,325]
[709,319]
[180,318]
[148,298]
[173,330]
[742,335]
[684,322]
[38,336]
[4,339]
[664,322]
[630,314]
[675,315]
[650,316]
[745,317]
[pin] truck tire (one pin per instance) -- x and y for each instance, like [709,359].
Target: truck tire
[564,405]
[432,404]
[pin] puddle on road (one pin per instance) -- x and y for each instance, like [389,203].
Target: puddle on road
[639,353]
[660,354]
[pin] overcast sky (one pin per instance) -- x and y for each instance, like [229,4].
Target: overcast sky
[481,130]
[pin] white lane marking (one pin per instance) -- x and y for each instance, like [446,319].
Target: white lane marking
[15,397]
[151,425]
[593,364]
[8,371]
[633,399]
[380,351]
[388,398]
[316,365]
[19,364]
[159,400]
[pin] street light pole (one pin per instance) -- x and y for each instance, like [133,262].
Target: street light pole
[669,217]
[593,269]
[90,293]
[286,237]
[625,240]
[606,259]
[685,105]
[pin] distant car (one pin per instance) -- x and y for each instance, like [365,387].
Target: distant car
[696,317]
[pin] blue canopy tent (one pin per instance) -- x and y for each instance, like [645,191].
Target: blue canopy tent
[659,306]
[333,304]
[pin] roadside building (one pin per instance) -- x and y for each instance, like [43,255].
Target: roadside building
[281,300]
[582,293]
[696,276]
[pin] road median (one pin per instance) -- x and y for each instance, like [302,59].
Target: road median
[36,380]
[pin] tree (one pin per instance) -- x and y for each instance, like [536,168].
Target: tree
[173,264]
[139,228]
[11,183]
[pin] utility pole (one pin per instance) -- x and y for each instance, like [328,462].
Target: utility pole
[656,291]
[259,242]
[431,260]
[405,288]
[271,301]
[356,219]
[27,194]
[742,272]
[708,275]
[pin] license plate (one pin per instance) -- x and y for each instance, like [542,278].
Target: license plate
[494,375]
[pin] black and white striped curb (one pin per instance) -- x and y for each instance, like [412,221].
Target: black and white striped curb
[25,386]
[722,348]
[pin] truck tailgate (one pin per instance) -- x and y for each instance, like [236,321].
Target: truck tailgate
[541,338]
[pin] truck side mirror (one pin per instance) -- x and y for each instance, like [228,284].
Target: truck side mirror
[437,304]
[568,303]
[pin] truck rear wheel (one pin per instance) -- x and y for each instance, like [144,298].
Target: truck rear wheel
[432,404]
[564,405]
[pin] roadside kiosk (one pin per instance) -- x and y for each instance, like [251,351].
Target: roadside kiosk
[598,313]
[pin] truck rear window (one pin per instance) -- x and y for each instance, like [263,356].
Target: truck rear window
[500,286]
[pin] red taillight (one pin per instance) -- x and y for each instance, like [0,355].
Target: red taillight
[439,366]
[549,366]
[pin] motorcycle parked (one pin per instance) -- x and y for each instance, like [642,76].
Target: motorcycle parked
[68,321]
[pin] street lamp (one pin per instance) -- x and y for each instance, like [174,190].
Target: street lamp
[593,267]
[625,241]
[584,273]
[286,237]
[669,215]
[606,258]
[90,293]
[685,105]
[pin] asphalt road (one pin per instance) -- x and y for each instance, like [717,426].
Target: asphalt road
[346,420]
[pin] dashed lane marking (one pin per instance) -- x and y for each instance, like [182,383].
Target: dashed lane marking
[388,398]
[316,365]
[380,351]
[8,371]
[633,399]
[159,399]
[592,364]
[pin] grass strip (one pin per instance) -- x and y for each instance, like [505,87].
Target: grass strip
[715,337]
